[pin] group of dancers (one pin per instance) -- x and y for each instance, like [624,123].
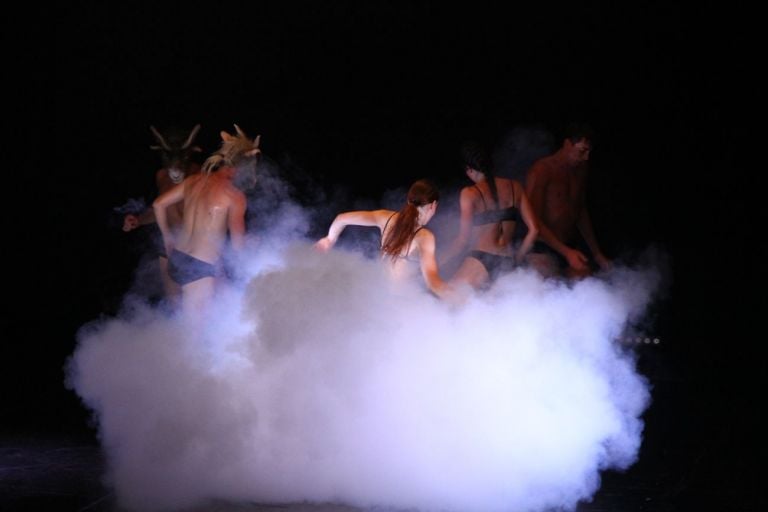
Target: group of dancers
[201,209]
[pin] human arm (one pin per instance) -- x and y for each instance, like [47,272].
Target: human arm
[367,218]
[236,221]
[425,240]
[459,244]
[584,224]
[536,189]
[160,205]
[529,217]
[132,221]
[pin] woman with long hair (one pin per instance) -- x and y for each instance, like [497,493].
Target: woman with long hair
[404,237]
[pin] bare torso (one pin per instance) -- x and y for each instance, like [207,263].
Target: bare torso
[207,200]
[563,195]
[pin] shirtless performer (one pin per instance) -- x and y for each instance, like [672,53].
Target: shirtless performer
[214,206]
[405,242]
[556,187]
[176,150]
[490,209]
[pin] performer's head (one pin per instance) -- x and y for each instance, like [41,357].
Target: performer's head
[239,154]
[578,139]
[475,159]
[478,166]
[176,150]
[420,206]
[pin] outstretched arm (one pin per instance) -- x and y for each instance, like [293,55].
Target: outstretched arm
[367,218]
[160,205]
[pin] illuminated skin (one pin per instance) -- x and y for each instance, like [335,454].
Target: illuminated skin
[213,208]
[164,182]
[422,246]
[556,188]
[490,238]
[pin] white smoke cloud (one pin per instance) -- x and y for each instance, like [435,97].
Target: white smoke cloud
[322,380]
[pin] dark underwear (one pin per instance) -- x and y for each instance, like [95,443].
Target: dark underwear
[185,269]
[495,264]
[495,216]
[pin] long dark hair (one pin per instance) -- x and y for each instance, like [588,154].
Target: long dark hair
[477,158]
[402,232]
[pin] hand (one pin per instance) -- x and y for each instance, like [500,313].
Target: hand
[577,260]
[324,244]
[454,295]
[130,222]
[605,263]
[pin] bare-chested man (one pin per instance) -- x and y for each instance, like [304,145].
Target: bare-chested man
[176,150]
[214,207]
[556,187]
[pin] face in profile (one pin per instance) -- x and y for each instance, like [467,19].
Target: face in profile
[578,152]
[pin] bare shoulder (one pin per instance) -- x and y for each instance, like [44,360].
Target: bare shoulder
[504,185]
[233,194]
[383,215]
[541,171]
[540,166]
[425,235]
[470,190]
[469,193]
[195,178]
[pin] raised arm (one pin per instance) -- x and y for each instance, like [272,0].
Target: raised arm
[160,205]
[368,218]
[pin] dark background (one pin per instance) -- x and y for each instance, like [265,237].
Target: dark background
[354,99]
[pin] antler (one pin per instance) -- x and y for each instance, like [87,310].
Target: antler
[160,138]
[240,132]
[191,137]
[257,140]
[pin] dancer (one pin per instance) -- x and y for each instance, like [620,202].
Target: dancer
[214,208]
[405,241]
[556,185]
[490,210]
[176,151]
